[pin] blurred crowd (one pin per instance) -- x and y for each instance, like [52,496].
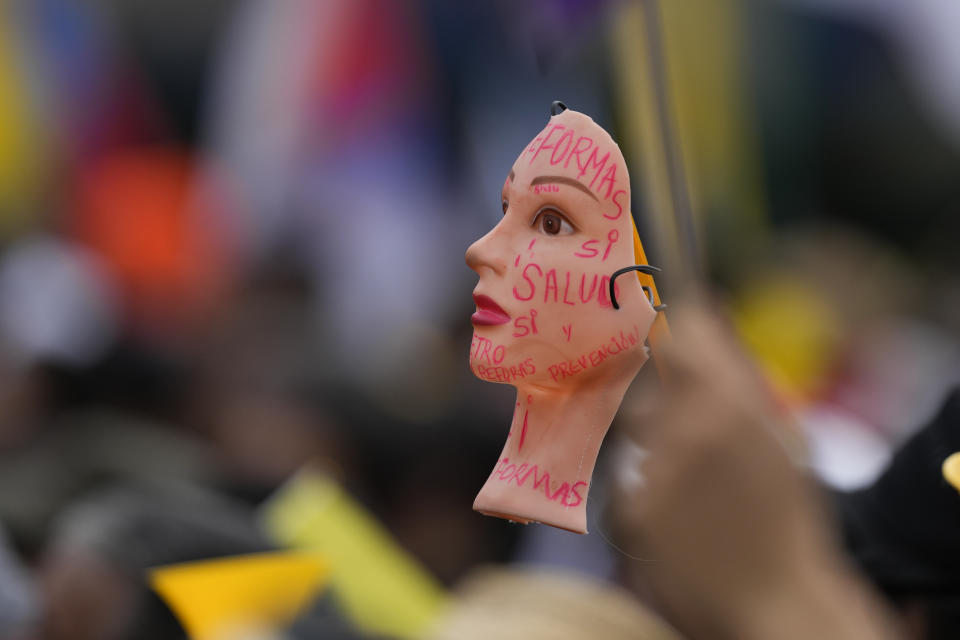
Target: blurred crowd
[231,246]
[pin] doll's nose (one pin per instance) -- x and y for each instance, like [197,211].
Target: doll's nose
[489,251]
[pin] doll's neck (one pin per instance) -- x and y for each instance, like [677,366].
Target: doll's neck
[544,471]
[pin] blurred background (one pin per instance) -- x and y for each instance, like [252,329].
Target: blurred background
[232,237]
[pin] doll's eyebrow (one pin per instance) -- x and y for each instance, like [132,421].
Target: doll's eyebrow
[562,180]
[512,175]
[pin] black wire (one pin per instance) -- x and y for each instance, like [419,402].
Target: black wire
[642,268]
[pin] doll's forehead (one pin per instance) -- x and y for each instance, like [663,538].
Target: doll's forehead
[575,151]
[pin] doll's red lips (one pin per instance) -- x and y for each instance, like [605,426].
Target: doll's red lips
[488,312]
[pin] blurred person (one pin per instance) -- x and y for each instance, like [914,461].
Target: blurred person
[856,117]
[81,450]
[19,604]
[255,385]
[167,248]
[344,119]
[79,402]
[545,604]
[70,424]
[57,307]
[849,333]
[730,538]
[92,573]
[923,35]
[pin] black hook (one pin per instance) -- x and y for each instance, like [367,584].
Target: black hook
[642,268]
[557,108]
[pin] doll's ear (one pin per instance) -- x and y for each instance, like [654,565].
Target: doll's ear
[557,108]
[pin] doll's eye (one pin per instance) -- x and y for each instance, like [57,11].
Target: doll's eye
[505,204]
[552,223]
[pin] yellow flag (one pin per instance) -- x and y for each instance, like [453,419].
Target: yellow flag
[23,144]
[382,589]
[706,109]
[223,598]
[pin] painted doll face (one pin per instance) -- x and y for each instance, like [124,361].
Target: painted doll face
[544,315]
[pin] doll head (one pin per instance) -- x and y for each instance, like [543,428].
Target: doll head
[545,322]
[544,316]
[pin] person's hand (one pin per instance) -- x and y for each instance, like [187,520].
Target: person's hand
[736,543]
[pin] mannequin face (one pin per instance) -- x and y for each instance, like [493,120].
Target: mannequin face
[544,315]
